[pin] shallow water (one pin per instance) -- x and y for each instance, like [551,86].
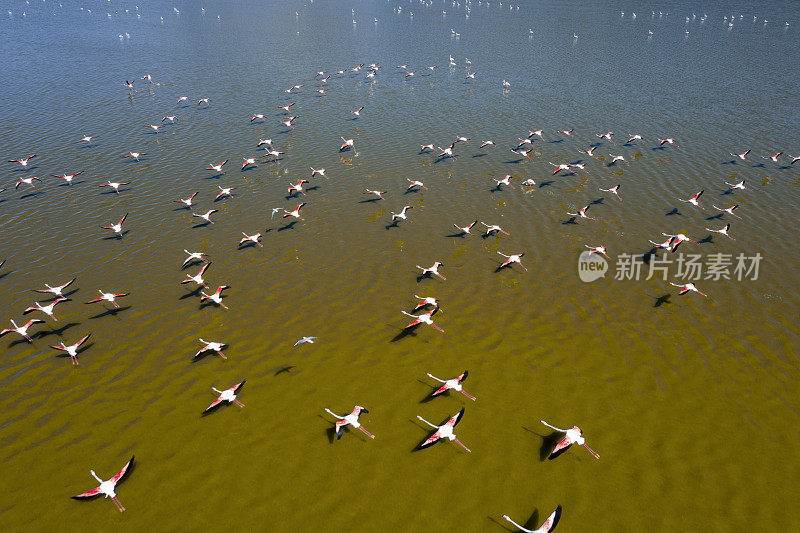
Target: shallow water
[692,403]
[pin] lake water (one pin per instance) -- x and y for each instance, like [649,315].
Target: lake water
[691,402]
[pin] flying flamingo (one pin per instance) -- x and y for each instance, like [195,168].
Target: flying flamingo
[447,152]
[22,330]
[72,350]
[693,199]
[227,395]
[109,297]
[56,291]
[678,239]
[26,181]
[379,194]
[115,185]
[187,201]
[415,183]
[358,111]
[206,216]
[432,270]
[445,431]
[198,278]
[465,229]
[295,213]
[687,287]
[739,185]
[423,318]
[217,167]
[614,190]
[402,214]
[318,172]
[347,145]
[728,210]
[742,156]
[427,147]
[670,140]
[211,347]
[504,181]
[559,168]
[547,526]
[512,259]
[68,177]
[597,250]
[428,300]
[117,228]
[452,383]
[573,435]
[254,238]
[216,297]
[351,419]
[249,161]
[632,138]
[666,245]
[491,228]
[47,309]
[22,161]
[135,155]
[774,157]
[723,231]
[297,188]
[107,487]
[581,213]
[484,144]
[193,256]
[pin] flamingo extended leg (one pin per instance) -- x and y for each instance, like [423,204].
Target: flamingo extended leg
[237,402]
[367,433]
[465,393]
[460,444]
[596,456]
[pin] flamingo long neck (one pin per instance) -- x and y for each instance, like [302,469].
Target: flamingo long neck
[95,476]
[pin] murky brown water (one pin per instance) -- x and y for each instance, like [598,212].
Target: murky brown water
[692,403]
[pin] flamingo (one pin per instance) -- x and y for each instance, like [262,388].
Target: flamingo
[728,210]
[187,201]
[358,111]
[504,181]
[117,228]
[72,350]
[606,136]
[170,118]
[427,147]
[445,431]
[432,270]
[107,487]
[666,245]
[547,526]
[678,239]
[193,256]
[402,214]
[741,156]
[135,155]
[452,383]
[491,228]
[23,160]
[693,200]
[224,192]
[115,185]
[581,213]
[379,194]
[154,128]
[447,152]
[206,216]
[512,259]
[227,395]
[211,347]
[597,250]
[351,419]
[632,138]
[347,145]
[309,340]
[484,144]
[318,172]
[428,300]
[687,287]
[774,157]
[289,121]
[217,167]
[465,229]
[559,168]
[22,330]
[295,213]
[251,238]
[723,231]
[47,309]
[26,181]
[262,142]
[424,318]
[258,116]
[86,139]
[198,278]
[109,297]
[415,183]
[566,132]
[573,435]
[614,190]
[249,161]
[670,140]
[56,291]
[203,101]
[589,152]
[739,185]
[68,177]
[216,297]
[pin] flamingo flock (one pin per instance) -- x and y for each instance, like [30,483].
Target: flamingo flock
[423,312]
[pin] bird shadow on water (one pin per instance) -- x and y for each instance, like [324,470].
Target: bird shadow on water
[284,370]
[31,195]
[598,201]
[369,201]
[428,396]
[201,225]
[674,211]
[194,293]
[115,237]
[715,217]
[290,225]
[549,442]
[570,220]
[706,240]
[405,332]
[54,331]
[112,312]
[661,300]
